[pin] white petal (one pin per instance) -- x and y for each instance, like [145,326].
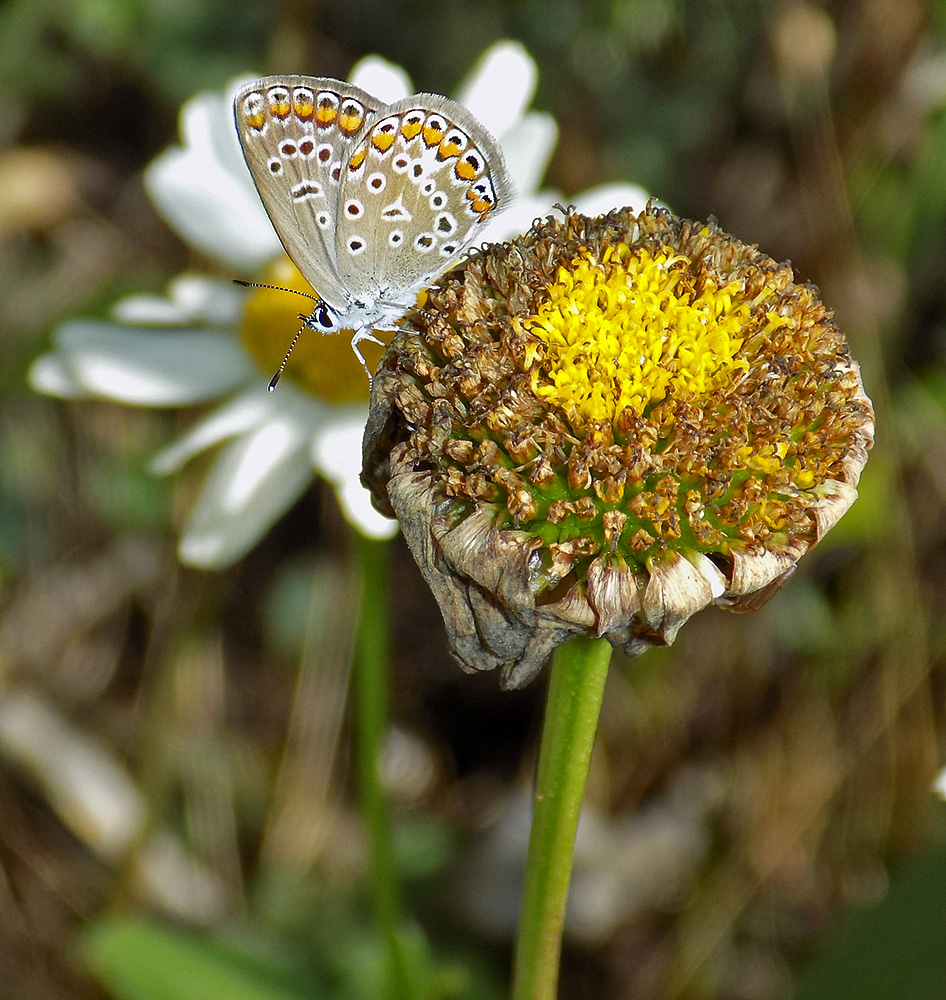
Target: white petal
[191,299]
[835,498]
[207,127]
[208,300]
[198,124]
[603,198]
[382,79]
[146,367]
[235,416]
[518,219]
[253,482]
[500,86]
[251,409]
[355,502]
[212,209]
[336,449]
[204,189]
[50,374]
[528,147]
[149,310]
[336,454]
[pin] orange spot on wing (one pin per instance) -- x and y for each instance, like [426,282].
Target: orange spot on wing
[383,141]
[255,122]
[358,158]
[304,107]
[448,150]
[349,122]
[481,204]
[280,108]
[410,128]
[465,171]
[327,113]
[433,135]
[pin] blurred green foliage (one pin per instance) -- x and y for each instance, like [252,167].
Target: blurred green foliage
[896,948]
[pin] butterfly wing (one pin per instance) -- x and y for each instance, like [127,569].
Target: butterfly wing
[297,134]
[420,184]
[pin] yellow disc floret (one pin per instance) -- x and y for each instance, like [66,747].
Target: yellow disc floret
[628,329]
[322,366]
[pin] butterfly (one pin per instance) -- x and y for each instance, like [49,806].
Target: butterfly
[371,201]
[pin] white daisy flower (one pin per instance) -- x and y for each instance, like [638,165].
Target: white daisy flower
[211,341]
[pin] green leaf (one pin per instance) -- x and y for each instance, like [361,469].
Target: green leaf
[135,960]
[893,949]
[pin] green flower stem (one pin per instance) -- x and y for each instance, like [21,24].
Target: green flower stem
[370,677]
[576,688]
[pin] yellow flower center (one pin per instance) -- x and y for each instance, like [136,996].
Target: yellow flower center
[627,330]
[324,366]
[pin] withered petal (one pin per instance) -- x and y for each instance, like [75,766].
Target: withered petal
[501,558]
[753,570]
[613,592]
[836,498]
[676,590]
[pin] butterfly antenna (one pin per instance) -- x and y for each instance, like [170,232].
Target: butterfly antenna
[282,367]
[275,288]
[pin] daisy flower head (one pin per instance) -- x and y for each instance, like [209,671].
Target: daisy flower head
[209,342]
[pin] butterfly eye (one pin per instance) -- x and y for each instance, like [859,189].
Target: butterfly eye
[324,317]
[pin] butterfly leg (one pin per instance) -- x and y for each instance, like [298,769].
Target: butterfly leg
[365,333]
